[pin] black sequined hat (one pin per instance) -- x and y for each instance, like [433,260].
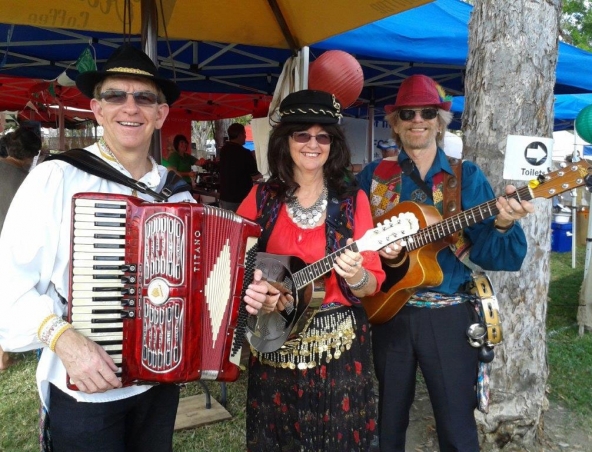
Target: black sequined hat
[310,107]
[127,60]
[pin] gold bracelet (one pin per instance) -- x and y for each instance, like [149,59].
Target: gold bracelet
[40,332]
[502,228]
[57,334]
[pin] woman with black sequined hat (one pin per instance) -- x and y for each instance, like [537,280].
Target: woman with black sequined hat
[316,392]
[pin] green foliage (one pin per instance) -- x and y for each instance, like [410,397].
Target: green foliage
[576,23]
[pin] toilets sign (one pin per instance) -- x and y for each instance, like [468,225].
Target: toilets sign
[527,157]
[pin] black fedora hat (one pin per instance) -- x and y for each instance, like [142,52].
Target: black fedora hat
[310,107]
[127,60]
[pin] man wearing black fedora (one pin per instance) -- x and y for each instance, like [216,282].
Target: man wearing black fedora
[130,101]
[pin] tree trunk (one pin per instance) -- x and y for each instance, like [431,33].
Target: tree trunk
[201,132]
[221,132]
[509,90]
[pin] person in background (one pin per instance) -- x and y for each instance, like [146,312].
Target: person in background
[22,146]
[315,393]
[181,160]
[238,169]
[388,149]
[430,330]
[130,101]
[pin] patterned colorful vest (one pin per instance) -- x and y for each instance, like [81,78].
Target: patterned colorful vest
[385,195]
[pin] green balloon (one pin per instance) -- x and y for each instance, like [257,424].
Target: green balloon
[584,123]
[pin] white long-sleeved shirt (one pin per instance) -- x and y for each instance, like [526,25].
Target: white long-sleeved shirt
[35,258]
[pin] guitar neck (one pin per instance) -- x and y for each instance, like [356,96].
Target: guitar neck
[464,219]
[313,271]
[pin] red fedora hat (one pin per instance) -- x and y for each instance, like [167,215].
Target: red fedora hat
[420,91]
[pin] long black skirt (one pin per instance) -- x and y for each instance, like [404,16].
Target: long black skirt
[328,405]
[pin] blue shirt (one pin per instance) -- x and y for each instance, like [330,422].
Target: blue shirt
[491,249]
[364,177]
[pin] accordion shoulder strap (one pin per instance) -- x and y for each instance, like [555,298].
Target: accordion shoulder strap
[94,165]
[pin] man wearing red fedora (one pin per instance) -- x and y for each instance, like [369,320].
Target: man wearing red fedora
[130,101]
[430,329]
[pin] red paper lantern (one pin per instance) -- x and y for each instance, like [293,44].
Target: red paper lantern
[338,73]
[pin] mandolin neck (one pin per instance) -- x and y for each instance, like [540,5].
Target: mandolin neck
[313,271]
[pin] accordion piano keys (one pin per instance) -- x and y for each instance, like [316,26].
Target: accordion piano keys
[159,298]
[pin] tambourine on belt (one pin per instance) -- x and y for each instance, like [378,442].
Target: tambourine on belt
[488,307]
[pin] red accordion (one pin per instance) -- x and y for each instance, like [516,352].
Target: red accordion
[160,285]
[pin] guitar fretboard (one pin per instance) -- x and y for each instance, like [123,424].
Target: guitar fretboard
[461,220]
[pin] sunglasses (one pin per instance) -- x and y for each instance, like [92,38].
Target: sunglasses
[119,97]
[425,113]
[304,137]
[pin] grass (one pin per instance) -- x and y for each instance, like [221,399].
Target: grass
[569,355]
[570,363]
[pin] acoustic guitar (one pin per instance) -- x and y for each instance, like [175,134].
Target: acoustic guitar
[420,269]
[267,332]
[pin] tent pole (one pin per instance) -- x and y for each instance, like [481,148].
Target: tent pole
[149,45]
[575,157]
[305,61]
[370,135]
[574,208]
[62,141]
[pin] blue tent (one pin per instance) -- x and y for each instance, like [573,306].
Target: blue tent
[567,107]
[433,39]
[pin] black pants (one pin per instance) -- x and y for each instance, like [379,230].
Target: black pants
[434,339]
[142,423]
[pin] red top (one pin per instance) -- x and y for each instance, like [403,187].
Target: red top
[309,244]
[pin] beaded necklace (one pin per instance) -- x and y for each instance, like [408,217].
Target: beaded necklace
[105,149]
[110,156]
[308,216]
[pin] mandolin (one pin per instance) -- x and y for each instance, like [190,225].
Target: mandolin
[267,332]
[421,268]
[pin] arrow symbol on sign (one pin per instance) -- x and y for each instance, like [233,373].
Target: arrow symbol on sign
[536,152]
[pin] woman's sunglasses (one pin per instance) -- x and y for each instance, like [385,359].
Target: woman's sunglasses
[118,97]
[425,113]
[304,137]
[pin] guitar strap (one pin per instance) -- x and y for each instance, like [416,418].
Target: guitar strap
[90,163]
[451,192]
[407,167]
